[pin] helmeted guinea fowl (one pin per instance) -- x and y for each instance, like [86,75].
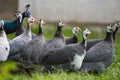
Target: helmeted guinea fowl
[72,54]
[74,39]
[4,45]
[94,41]
[100,56]
[31,50]
[56,42]
[10,26]
[18,43]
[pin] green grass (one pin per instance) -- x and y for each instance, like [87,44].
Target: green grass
[110,73]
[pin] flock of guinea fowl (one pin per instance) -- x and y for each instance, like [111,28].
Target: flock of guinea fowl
[59,52]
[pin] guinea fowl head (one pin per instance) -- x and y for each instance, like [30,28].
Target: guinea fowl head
[41,22]
[31,20]
[61,24]
[109,33]
[1,25]
[86,32]
[18,15]
[26,13]
[116,26]
[76,30]
[59,30]
[109,29]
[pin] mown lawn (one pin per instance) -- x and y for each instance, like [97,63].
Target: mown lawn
[111,73]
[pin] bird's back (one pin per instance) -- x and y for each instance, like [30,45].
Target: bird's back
[10,27]
[99,52]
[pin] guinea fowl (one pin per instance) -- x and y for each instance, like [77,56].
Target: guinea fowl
[72,54]
[10,27]
[18,43]
[4,45]
[100,56]
[31,50]
[56,42]
[95,41]
[74,39]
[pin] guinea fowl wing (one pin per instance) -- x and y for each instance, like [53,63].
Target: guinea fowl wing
[92,42]
[62,55]
[99,52]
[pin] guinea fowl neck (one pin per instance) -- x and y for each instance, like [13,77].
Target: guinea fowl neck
[108,37]
[84,42]
[59,32]
[2,32]
[114,33]
[19,28]
[75,38]
[28,27]
[23,16]
[40,29]
[16,20]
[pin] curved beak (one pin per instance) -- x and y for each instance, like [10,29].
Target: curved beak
[79,30]
[89,33]
[15,16]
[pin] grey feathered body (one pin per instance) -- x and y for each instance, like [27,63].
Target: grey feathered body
[18,43]
[62,55]
[98,57]
[92,42]
[33,48]
[53,44]
[72,40]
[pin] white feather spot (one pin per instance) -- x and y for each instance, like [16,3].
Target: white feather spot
[77,61]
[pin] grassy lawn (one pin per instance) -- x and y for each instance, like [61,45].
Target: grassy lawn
[110,73]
